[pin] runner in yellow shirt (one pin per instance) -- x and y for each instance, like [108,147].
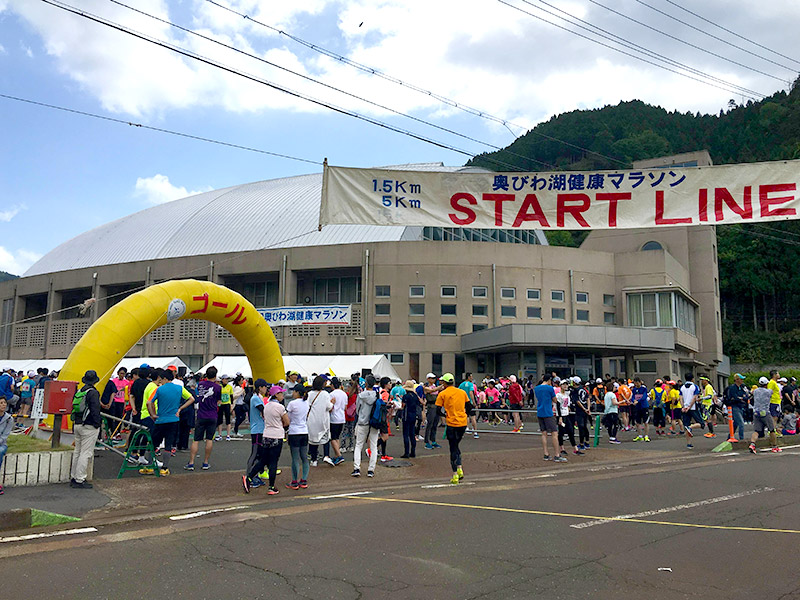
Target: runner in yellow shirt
[675,408]
[775,401]
[224,409]
[455,403]
[707,400]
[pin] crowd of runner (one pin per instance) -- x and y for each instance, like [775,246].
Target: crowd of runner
[322,418]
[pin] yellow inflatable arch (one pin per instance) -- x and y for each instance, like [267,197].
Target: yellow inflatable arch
[112,336]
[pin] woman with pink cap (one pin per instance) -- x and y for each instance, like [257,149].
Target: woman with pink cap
[267,422]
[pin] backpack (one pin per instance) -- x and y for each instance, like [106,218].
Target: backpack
[380,414]
[79,402]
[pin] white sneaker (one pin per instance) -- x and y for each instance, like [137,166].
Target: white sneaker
[329,461]
[313,463]
[218,438]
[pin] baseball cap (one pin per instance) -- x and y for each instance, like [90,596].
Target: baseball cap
[576,379]
[275,390]
[31,373]
[430,376]
[763,381]
[260,383]
[783,380]
[144,366]
[738,376]
[598,380]
[225,377]
[448,377]
[172,368]
[513,378]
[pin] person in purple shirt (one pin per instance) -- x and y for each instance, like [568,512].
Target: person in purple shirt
[641,410]
[209,394]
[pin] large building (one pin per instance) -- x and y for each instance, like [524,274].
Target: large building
[432,299]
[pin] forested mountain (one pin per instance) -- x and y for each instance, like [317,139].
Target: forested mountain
[758,287]
[5,276]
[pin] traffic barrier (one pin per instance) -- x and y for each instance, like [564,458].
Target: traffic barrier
[141,441]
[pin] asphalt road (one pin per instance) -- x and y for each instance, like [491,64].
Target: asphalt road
[720,524]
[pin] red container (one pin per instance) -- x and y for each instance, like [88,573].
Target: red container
[58,397]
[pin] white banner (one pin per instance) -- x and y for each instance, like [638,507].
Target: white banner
[37,412]
[666,197]
[308,315]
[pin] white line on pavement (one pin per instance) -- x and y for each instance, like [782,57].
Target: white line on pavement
[533,477]
[443,485]
[782,448]
[204,512]
[340,495]
[35,536]
[659,511]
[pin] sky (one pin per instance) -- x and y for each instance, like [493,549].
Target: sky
[62,173]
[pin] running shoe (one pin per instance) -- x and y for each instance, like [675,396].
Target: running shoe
[647,438]
[428,447]
[303,483]
[460,473]
[577,452]
[386,458]
[638,438]
[752,448]
[690,446]
[163,472]
[273,491]
[548,457]
[189,467]
[227,438]
[369,452]
[776,449]
[256,482]
[293,485]
[218,438]
[146,471]
[370,473]
[515,430]
[564,452]
[313,463]
[404,456]
[454,480]
[614,441]
[338,461]
[435,445]
[560,459]
[246,484]
[710,435]
[689,432]
[420,438]
[476,436]
[206,467]
[355,473]
[329,460]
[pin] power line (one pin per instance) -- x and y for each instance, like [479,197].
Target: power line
[631,45]
[677,39]
[676,5]
[269,84]
[615,49]
[326,85]
[159,129]
[443,99]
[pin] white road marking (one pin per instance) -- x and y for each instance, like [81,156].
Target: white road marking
[533,477]
[444,485]
[606,468]
[782,448]
[340,495]
[202,513]
[659,511]
[36,536]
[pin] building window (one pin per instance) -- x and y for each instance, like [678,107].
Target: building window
[262,294]
[661,309]
[480,292]
[582,297]
[416,291]
[508,311]
[448,291]
[383,291]
[465,234]
[508,293]
[558,314]
[416,310]
[609,318]
[716,286]
[416,329]
[448,310]
[337,290]
[652,246]
[382,328]
[382,309]
[534,295]
[396,359]
[646,366]
[609,300]
[582,315]
[480,310]
[436,362]
[6,317]
[534,312]
[557,295]
[448,328]
[719,321]
[479,327]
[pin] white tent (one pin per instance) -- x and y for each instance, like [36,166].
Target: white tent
[341,365]
[56,364]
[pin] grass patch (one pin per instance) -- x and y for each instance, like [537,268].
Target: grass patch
[42,518]
[25,443]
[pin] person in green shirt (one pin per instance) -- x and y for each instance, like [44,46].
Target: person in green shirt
[708,401]
[224,409]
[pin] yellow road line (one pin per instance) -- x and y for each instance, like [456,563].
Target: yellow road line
[573,516]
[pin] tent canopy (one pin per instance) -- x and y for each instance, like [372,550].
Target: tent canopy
[306,364]
[55,364]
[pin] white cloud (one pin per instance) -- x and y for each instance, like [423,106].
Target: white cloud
[9,213]
[2,49]
[27,50]
[158,189]
[17,262]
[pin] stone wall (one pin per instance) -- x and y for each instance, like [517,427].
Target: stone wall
[37,468]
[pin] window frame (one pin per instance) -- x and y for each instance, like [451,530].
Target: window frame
[412,295]
[448,324]
[538,294]
[578,295]
[383,314]
[578,315]
[513,295]
[410,314]
[421,324]
[442,312]
[554,299]
[512,307]
[533,308]
[388,295]
[442,289]
[480,287]
[485,312]
[553,316]
[388,328]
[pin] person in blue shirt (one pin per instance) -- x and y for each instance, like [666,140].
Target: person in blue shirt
[468,385]
[641,411]
[548,424]
[165,408]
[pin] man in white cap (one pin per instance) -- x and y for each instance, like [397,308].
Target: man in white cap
[431,390]
[762,419]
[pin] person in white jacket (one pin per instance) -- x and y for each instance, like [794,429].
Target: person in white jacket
[320,405]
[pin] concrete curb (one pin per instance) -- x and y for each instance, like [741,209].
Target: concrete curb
[38,468]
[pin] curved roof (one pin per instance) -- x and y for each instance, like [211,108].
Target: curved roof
[278,213]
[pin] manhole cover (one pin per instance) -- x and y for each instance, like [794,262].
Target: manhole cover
[398,463]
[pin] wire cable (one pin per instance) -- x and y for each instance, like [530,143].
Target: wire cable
[280,88]
[329,86]
[443,99]
[615,49]
[703,31]
[158,129]
[677,39]
[586,25]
